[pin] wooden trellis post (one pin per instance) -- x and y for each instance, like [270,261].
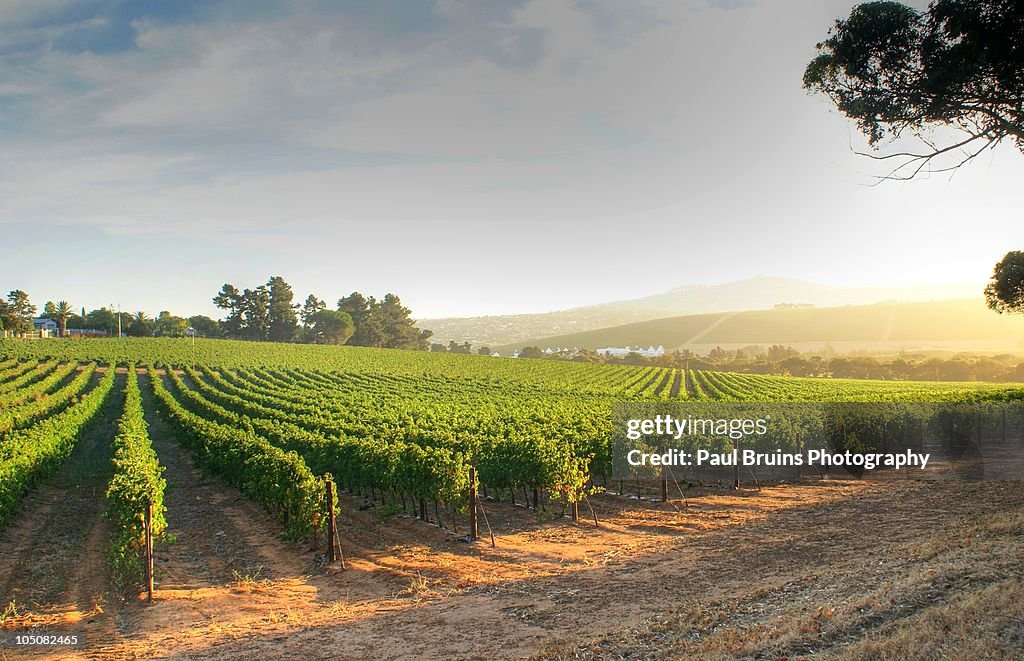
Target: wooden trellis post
[149,550]
[473,530]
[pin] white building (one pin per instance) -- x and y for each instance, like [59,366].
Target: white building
[46,327]
[649,352]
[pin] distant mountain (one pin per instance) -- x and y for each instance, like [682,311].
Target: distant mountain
[962,325]
[752,294]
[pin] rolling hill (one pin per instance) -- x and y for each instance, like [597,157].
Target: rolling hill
[751,294]
[961,325]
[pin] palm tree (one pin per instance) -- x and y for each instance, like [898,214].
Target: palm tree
[61,314]
[141,326]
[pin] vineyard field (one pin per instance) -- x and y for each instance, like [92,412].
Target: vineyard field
[233,444]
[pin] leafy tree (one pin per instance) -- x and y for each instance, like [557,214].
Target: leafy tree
[484,351]
[437,347]
[368,331]
[1005,291]
[230,299]
[897,71]
[204,326]
[102,319]
[141,325]
[400,330]
[385,323]
[76,321]
[796,366]
[16,312]
[311,306]
[454,347]
[357,307]
[49,310]
[531,352]
[282,322]
[330,327]
[256,313]
[777,352]
[168,325]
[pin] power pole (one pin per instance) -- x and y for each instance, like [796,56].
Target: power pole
[118,313]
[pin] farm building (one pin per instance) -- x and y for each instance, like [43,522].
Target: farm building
[649,352]
[46,326]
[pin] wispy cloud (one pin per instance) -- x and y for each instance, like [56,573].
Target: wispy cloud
[288,128]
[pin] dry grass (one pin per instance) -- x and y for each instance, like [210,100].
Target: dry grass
[955,593]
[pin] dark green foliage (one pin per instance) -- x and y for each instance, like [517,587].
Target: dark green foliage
[256,313]
[399,329]
[329,327]
[531,352]
[169,325]
[385,324]
[895,70]
[369,332]
[229,299]
[204,326]
[455,347]
[312,305]
[1005,291]
[283,323]
[16,312]
[141,326]
[102,319]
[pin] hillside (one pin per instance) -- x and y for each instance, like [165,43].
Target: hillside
[758,293]
[954,325]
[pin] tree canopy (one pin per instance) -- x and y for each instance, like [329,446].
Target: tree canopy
[1005,291]
[899,72]
[329,327]
[16,312]
[284,323]
[268,313]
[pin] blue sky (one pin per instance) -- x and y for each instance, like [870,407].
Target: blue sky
[473,157]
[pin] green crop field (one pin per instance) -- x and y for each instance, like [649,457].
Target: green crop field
[277,419]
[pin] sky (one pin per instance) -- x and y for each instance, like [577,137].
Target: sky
[472,156]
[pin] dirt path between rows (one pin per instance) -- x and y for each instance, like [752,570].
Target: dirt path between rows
[54,553]
[223,567]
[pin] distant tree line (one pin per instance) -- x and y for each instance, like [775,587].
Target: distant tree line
[455,347]
[264,313]
[267,313]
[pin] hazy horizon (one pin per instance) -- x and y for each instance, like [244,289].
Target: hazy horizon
[916,291]
[475,158]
